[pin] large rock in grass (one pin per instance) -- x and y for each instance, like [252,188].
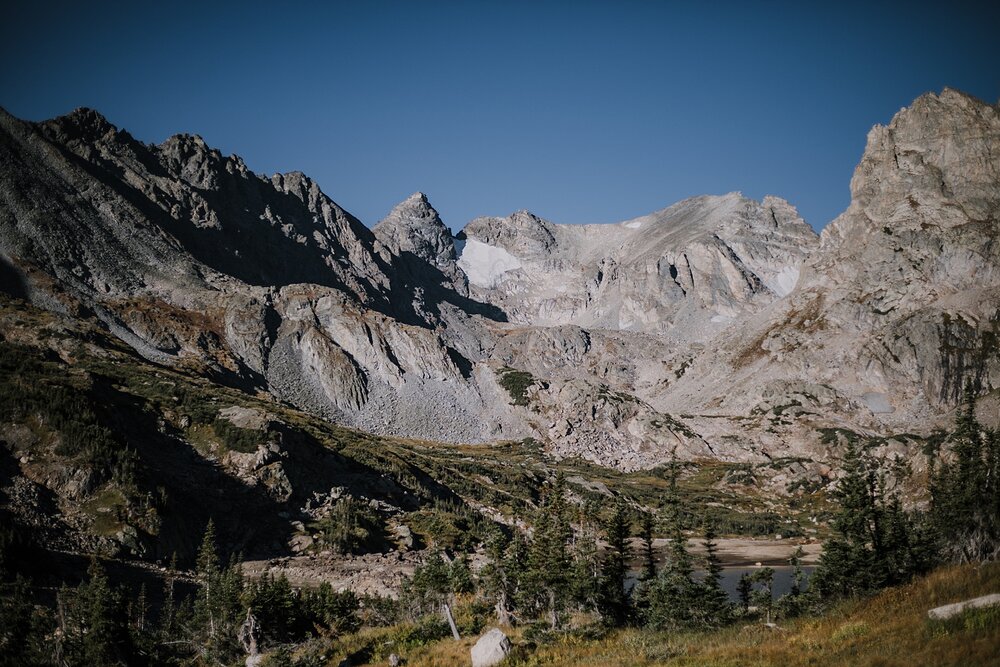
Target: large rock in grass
[491,649]
[951,610]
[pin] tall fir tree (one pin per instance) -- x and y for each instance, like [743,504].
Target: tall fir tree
[95,622]
[585,585]
[849,564]
[615,602]
[674,592]
[548,556]
[713,608]
[965,490]
[646,527]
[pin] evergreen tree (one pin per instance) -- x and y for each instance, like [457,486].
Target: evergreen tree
[429,587]
[850,561]
[798,575]
[875,542]
[793,603]
[94,622]
[498,582]
[614,599]
[460,577]
[333,610]
[277,608]
[965,490]
[713,608]
[674,593]
[218,609]
[762,596]
[207,570]
[646,525]
[349,527]
[647,574]
[585,585]
[23,626]
[548,557]
[743,589]
[168,612]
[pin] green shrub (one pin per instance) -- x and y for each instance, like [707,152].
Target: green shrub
[516,383]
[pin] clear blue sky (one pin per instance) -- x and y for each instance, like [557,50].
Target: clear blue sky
[578,111]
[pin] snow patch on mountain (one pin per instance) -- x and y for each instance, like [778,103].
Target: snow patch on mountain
[784,281]
[485,264]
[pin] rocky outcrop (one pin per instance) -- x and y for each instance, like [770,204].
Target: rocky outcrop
[684,272]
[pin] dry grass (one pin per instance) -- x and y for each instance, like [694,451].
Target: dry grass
[888,630]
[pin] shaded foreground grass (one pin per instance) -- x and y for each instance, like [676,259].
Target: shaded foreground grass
[888,630]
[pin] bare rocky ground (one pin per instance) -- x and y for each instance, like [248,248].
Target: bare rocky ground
[380,575]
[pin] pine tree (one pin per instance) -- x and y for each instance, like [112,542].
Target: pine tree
[646,525]
[965,491]
[548,557]
[515,564]
[585,578]
[349,526]
[614,599]
[23,626]
[218,608]
[850,561]
[713,608]
[795,601]
[429,587]
[798,575]
[169,610]
[674,592]
[743,589]
[207,569]
[95,623]
[460,577]
[762,596]
[498,582]
[277,608]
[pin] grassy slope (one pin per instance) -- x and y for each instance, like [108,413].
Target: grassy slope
[888,630]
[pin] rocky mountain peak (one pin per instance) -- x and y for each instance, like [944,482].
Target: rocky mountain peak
[83,123]
[522,232]
[941,148]
[414,226]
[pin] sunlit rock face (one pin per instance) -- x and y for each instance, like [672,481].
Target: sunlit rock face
[719,327]
[686,271]
[899,307]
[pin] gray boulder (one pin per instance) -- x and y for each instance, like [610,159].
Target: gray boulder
[951,610]
[491,649]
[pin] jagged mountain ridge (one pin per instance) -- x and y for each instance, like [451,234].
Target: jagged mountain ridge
[683,330]
[682,271]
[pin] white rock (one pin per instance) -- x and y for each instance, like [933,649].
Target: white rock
[491,649]
[949,610]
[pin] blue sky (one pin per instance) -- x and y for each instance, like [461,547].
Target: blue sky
[578,111]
